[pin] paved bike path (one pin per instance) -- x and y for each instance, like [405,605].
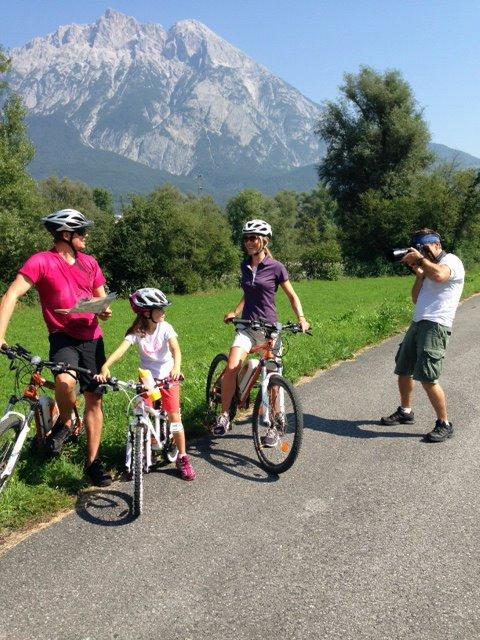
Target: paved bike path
[372,535]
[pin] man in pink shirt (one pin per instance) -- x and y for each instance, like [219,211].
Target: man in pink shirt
[62,276]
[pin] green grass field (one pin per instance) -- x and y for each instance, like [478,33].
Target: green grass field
[345,316]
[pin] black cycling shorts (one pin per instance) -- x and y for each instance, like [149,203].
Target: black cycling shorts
[89,354]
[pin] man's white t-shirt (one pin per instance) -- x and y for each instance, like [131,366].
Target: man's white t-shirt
[153,349]
[438,301]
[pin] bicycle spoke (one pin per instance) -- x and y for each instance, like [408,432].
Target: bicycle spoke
[277,441]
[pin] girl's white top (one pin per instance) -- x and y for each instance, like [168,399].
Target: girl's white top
[153,349]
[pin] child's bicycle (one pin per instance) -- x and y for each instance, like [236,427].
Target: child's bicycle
[41,407]
[277,420]
[148,435]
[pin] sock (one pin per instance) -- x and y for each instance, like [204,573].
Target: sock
[407,409]
[182,455]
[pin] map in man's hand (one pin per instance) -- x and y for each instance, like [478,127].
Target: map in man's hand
[90,305]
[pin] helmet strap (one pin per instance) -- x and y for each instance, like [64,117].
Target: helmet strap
[60,238]
[264,244]
[70,242]
[149,316]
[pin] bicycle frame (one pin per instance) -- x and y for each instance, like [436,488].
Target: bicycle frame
[261,371]
[43,408]
[142,416]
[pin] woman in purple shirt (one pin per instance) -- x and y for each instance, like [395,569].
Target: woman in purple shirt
[261,275]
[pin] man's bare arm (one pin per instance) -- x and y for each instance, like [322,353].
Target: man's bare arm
[16,290]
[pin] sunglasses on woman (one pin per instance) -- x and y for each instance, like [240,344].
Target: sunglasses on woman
[251,238]
[82,231]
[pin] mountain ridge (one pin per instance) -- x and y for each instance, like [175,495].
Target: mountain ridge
[128,106]
[122,176]
[181,100]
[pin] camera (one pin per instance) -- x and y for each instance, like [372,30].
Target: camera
[395,255]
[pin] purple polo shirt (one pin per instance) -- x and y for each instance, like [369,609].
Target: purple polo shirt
[259,289]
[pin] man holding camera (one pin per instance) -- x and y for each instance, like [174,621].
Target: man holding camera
[436,293]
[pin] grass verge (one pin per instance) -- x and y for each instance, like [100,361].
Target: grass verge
[346,315]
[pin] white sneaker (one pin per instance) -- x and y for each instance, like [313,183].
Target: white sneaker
[222,425]
[271,438]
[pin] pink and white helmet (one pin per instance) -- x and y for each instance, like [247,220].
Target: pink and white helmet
[148,299]
[257,227]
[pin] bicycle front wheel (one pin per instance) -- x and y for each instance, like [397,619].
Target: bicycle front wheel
[277,435]
[137,469]
[10,430]
[214,390]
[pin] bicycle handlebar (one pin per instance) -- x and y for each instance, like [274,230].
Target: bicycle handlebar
[117,385]
[18,352]
[269,328]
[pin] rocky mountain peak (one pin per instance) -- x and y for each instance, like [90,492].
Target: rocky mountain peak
[181,100]
[114,30]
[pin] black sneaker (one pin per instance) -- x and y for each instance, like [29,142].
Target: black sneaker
[399,417]
[59,435]
[441,432]
[97,474]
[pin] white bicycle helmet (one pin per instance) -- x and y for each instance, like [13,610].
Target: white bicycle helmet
[66,220]
[258,227]
[148,299]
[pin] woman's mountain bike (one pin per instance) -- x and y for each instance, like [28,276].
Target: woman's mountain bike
[41,408]
[148,436]
[277,420]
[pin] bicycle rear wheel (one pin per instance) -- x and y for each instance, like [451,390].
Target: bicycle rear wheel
[214,391]
[284,430]
[10,430]
[137,469]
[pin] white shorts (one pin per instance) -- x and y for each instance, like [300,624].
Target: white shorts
[247,338]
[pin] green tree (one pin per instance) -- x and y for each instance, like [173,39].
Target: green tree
[316,216]
[103,200]
[171,241]
[17,189]
[449,201]
[376,137]
[376,146]
[20,204]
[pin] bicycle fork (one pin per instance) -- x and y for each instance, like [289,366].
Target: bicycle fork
[137,423]
[279,400]
[151,433]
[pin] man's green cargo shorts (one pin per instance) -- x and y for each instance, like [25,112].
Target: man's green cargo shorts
[422,351]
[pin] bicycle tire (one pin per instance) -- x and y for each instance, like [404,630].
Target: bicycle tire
[290,442]
[9,434]
[137,470]
[213,396]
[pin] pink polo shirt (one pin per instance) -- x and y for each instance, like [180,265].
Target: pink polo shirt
[60,285]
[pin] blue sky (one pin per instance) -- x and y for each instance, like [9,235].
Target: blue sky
[312,43]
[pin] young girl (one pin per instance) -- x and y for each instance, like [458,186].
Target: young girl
[160,354]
